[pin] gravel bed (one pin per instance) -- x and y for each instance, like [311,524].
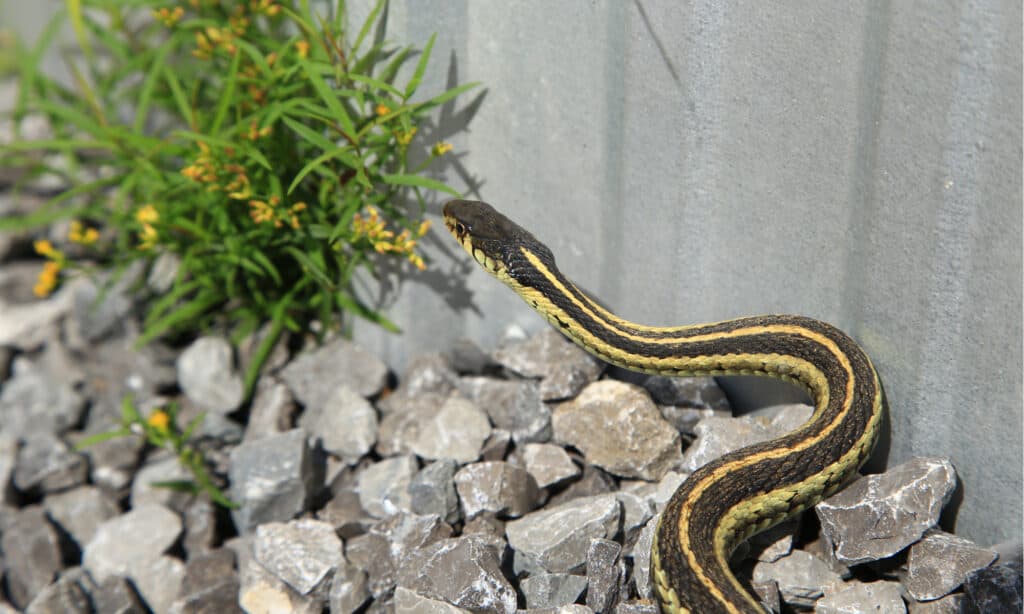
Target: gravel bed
[525,478]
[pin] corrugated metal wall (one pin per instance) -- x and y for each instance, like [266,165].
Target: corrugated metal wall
[689,161]
[859,162]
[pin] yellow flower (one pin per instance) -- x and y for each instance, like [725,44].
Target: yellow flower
[260,211]
[404,138]
[147,214]
[169,17]
[303,48]
[45,248]
[47,279]
[382,109]
[81,235]
[159,420]
[147,237]
[441,148]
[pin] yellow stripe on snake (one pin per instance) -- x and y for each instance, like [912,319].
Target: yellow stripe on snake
[746,491]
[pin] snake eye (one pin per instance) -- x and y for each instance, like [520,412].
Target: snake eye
[460,228]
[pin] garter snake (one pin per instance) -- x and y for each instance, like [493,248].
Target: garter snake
[746,491]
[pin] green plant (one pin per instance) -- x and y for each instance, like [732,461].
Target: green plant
[264,147]
[160,429]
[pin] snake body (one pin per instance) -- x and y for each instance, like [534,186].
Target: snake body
[743,492]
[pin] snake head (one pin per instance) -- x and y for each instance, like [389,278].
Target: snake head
[496,242]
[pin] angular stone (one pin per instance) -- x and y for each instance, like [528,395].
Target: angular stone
[432,491]
[262,592]
[200,520]
[272,479]
[271,410]
[8,458]
[776,542]
[410,602]
[879,515]
[462,571]
[605,571]
[125,543]
[209,570]
[116,595]
[31,552]
[565,367]
[400,425]
[694,392]
[348,589]
[458,431]
[25,325]
[940,562]
[162,467]
[65,596]
[994,589]
[345,514]
[207,375]
[300,552]
[552,590]
[636,511]
[497,487]
[618,428]
[717,435]
[117,368]
[637,607]
[555,540]
[113,462]
[346,424]
[35,402]
[46,464]
[81,511]
[863,597]
[383,486]
[158,581]
[387,545]
[314,374]
[642,560]
[802,577]
[512,406]
[428,373]
[464,356]
[594,481]
[101,307]
[496,446]
[548,464]
[950,604]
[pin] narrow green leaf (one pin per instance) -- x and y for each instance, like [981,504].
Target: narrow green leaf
[189,311]
[341,154]
[227,97]
[420,182]
[370,20]
[350,303]
[155,70]
[92,440]
[421,67]
[307,264]
[330,99]
[444,97]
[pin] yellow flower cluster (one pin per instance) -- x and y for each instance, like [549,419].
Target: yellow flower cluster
[211,39]
[82,235]
[231,178]
[147,215]
[302,47]
[264,212]
[267,7]
[49,276]
[441,148]
[169,17]
[405,137]
[373,228]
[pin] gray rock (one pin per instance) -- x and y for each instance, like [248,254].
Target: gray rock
[313,375]
[163,272]
[637,607]
[776,542]
[206,576]
[348,589]
[81,511]
[802,577]
[552,590]
[642,560]
[26,325]
[432,491]
[636,511]
[548,464]
[618,428]
[496,446]
[994,589]
[594,481]
[200,520]
[32,554]
[693,392]
[566,368]
[950,604]
[555,540]
[371,553]
[46,464]
[410,602]
[717,435]
[101,307]
[940,562]
[345,514]
[65,596]
[116,596]
[271,410]
[401,422]
[496,487]
[301,552]
[207,375]
[879,515]
[513,406]
[572,608]
[34,402]
[261,592]
[466,357]
[882,597]
[462,571]
[388,544]
[383,486]
[8,458]
[346,424]
[428,373]
[272,479]
[767,593]
[605,573]
[158,581]
[163,467]
[125,544]
[117,368]
[458,431]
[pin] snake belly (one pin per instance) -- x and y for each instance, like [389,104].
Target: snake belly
[746,491]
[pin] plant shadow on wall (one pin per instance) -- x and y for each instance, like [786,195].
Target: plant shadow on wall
[446,275]
[238,164]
